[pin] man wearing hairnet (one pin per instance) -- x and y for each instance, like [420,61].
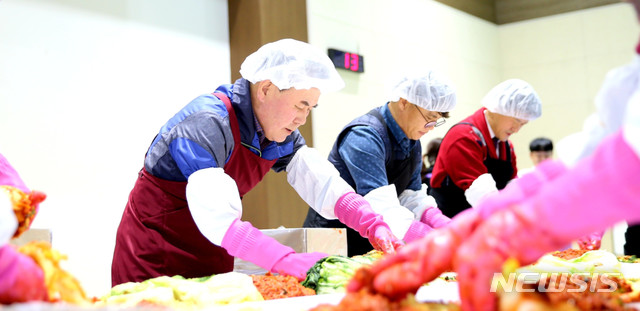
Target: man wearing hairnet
[380,156]
[183,216]
[540,212]
[476,157]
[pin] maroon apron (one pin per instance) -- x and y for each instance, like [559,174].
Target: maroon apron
[157,235]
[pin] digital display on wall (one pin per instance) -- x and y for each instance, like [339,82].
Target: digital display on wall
[345,60]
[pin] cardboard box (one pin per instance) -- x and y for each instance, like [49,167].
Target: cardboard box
[332,241]
[32,235]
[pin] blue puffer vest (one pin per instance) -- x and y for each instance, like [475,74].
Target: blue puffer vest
[399,170]
[399,167]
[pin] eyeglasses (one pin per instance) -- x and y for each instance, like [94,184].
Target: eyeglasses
[429,124]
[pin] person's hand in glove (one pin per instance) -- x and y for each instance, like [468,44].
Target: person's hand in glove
[557,214]
[522,188]
[525,230]
[418,262]
[433,217]
[21,279]
[25,206]
[511,233]
[591,241]
[20,201]
[355,212]
[297,264]
[244,241]
[424,260]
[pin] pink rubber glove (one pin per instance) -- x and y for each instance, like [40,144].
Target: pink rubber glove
[426,259]
[355,212]
[563,210]
[433,217]
[508,233]
[591,241]
[25,206]
[244,241]
[9,176]
[430,219]
[519,227]
[416,231]
[418,262]
[21,279]
[521,188]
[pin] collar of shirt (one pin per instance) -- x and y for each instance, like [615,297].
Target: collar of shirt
[405,143]
[260,132]
[491,133]
[493,136]
[242,97]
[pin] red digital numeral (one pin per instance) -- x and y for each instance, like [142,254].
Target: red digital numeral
[347,60]
[351,61]
[355,62]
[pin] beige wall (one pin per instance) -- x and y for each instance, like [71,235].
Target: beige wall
[395,36]
[565,58]
[84,88]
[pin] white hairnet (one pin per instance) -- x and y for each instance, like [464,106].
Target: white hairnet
[289,63]
[429,91]
[514,98]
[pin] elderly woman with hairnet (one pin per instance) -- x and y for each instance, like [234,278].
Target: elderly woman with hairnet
[476,158]
[380,156]
[183,216]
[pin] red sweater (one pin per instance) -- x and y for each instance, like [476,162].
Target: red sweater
[461,156]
